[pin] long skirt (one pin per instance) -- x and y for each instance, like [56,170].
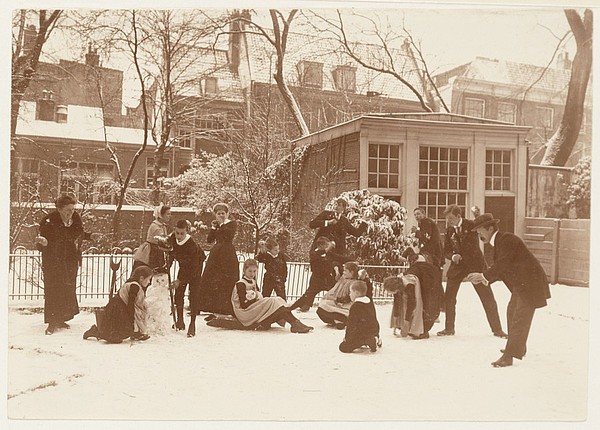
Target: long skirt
[218,279]
[258,311]
[114,322]
[60,297]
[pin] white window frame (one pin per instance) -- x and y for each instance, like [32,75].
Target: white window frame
[511,190]
[538,110]
[475,99]
[514,112]
[388,189]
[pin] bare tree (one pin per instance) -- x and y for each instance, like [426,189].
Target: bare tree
[278,38]
[383,58]
[26,50]
[560,145]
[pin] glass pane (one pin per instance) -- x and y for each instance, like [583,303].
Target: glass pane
[488,183]
[422,182]
[372,165]
[393,181]
[462,171]
[462,198]
[422,199]
[383,166]
[373,181]
[453,154]
[506,171]
[453,183]
[373,151]
[497,183]
[451,199]
[394,151]
[506,157]
[383,181]
[433,153]
[462,183]
[443,153]
[443,183]
[442,199]
[433,183]
[433,167]
[384,151]
[394,166]
[453,168]
[463,155]
[506,184]
[423,153]
[497,170]
[488,170]
[488,156]
[423,167]
[443,168]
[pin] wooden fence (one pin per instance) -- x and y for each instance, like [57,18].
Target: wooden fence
[563,248]
[546,191]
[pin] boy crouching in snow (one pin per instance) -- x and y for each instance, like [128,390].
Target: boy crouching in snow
[362,328]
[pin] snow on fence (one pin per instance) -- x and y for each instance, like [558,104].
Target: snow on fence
[26,282]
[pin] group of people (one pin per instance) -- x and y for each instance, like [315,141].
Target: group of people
[216,288]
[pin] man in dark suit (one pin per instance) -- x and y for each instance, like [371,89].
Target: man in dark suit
[429,237]
[335,226]
[524,276]
[461,247]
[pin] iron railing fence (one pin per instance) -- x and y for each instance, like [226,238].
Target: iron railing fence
[26,281]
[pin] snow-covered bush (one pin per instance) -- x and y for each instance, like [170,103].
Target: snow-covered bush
[580,188]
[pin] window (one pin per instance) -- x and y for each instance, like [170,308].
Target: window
[443,174]
[184,137]
[474,107]
[344,78]
[25,183]
[164,170]
[61,113]
[497,170]
[88,182]
[507,112]
[384,163]
[310,74]
[545,117]
[211,86]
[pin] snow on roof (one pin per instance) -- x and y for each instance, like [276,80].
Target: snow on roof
[83,123]
[329,52]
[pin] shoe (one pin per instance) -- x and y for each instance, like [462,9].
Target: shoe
[503,361]
[50,329]
[445,333]
[421,336]
[191,331]
[298,327]
[340,325]
[210,317]
[179,325]
[92,332]
[502,351]
[379,342]
[372,344]
[501,334]
[63,325]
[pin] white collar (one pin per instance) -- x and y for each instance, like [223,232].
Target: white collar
[459,225]
[421,258]
[363,299]
[185,239]
[271,254]
[493,238]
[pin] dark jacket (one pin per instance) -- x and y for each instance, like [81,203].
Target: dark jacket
[362,323]
[336,232]
[322,265]
[518,268]
[429,239]
[465,243]
[275,267]
[190,258]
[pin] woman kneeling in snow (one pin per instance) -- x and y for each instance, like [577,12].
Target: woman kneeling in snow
[125,311]
[252,309]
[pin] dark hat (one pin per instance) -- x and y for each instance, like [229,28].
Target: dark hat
[484,220]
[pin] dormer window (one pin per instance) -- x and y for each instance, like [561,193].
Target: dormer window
[211,86]
[344,78]
[61,113]
[310,74]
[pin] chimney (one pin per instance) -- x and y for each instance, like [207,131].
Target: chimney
[236,27]
[563,61]
[29,36]
[92,58]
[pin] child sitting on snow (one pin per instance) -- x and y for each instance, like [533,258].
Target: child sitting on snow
[334,307]
[252,309]
[363,327]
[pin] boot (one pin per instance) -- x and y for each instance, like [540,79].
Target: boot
[192,328]
[298,327]
[92,332]
[50,329]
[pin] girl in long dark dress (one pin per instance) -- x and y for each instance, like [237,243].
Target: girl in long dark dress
[125,315]
[57,240]
[222,268]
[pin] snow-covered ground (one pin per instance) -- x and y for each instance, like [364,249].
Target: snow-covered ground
[277,375]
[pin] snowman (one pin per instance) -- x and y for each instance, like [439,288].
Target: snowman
[158,305]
